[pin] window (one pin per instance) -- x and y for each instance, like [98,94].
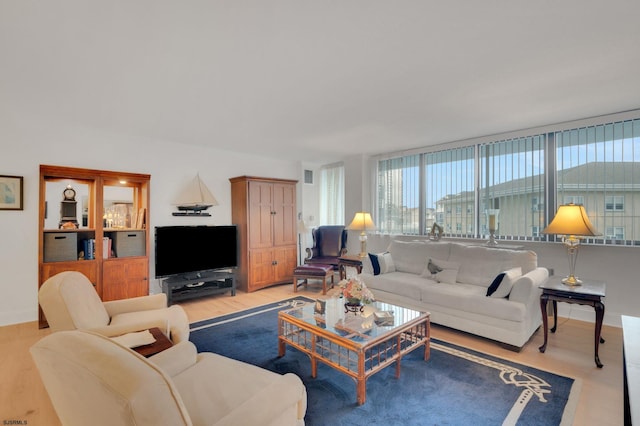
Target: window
[399,195]
[537,205]
[332,195]
[615,232]
[512,176]
[575,199]
[525,178]
[448,185]
[614,203]
[599,166]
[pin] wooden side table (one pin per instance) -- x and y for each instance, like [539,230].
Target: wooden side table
[353,261]
[162,342]
[589,293]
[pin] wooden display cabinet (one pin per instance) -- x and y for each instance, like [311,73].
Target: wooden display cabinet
[264,210]
[84,229]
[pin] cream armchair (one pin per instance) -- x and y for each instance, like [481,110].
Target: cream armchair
[70,302]
[91,379]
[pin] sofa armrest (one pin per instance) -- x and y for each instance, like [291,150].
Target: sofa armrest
[526,288]
[120,329]
[176,359]
[135,304]
[267,406]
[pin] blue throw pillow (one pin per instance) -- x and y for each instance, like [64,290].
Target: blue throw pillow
[495,284]
[375,263]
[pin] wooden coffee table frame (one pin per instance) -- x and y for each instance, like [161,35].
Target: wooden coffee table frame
[357,360]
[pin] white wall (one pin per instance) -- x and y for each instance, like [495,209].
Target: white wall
[28,142]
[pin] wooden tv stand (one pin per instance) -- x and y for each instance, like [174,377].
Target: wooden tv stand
[199,285]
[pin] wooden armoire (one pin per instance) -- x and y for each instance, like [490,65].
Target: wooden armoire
[264,209]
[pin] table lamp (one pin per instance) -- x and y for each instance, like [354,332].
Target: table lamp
[572,222]
[362,222]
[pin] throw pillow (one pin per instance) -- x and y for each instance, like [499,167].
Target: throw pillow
[382,263]
[441,271]
[389,266]
[502,284]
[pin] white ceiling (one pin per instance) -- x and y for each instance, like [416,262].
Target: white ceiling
[318,80]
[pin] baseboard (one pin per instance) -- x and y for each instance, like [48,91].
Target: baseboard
[587,314]
[17,317]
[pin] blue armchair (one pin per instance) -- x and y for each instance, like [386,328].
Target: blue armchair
[329,243]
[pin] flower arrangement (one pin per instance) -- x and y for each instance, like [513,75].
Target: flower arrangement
[355,291]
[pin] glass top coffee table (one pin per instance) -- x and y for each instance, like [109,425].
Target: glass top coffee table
[356,344]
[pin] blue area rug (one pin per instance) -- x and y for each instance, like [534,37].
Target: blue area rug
[456,386]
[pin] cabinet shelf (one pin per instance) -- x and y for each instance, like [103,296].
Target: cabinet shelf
[208,283]
[76,230]
[70,263]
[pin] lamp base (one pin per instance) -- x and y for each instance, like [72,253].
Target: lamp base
[572,281]
[363,245]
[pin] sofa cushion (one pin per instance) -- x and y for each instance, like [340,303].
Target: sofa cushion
[502,284]
[411,256]
[441,271]
[400,283]
[471,299]
[479,265]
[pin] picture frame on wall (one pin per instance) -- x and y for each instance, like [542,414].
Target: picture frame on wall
[11,192]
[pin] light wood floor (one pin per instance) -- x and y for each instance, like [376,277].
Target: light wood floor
[569,352]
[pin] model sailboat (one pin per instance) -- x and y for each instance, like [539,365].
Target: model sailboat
[195,199]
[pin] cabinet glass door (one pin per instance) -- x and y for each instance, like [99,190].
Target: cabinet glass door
[119,210]
[66,201]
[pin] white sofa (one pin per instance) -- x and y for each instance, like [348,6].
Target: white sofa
[460,300]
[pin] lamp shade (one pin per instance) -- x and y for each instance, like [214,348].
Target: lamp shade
[571,219]
[361,222]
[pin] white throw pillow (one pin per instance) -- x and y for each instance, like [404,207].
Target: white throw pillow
[382,263]
[389,266]
[441,271]
[502,288]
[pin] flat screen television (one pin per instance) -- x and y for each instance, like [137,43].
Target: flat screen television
[187,251]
